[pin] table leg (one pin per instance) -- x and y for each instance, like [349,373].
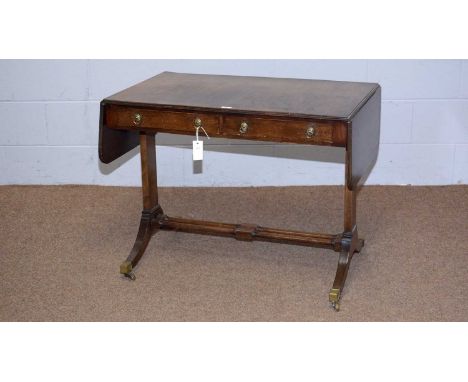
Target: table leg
[350,242]
[151,207]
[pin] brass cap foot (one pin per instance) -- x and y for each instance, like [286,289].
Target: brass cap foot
[334,298]
[334,295]
[126,267]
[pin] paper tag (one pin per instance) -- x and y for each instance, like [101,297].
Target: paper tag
[197,150]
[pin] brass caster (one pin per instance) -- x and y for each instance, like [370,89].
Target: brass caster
[336,306]
[334,298]
[130,275]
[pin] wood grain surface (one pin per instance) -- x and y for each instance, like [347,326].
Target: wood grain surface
[258,95]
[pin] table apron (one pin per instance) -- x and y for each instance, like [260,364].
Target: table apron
[234,126]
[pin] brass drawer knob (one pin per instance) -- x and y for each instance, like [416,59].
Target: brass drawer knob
[197,122]
[310,132]
[137,118]
[243,127]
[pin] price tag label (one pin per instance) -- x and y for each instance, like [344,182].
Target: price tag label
[197,150]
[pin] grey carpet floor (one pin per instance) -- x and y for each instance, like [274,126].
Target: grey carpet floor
[61,247]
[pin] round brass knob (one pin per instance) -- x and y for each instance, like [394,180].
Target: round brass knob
[137,118]
[310,132]
[243,127]
[197,122]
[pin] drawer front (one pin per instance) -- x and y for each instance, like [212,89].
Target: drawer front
[297,131]
[331,133]
[164,121]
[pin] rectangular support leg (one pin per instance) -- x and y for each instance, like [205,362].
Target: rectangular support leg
[149,183]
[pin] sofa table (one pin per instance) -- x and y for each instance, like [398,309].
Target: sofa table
[310,112]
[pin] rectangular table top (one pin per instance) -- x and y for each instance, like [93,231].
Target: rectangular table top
[335,100]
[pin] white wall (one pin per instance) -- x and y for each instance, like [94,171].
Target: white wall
[49,125]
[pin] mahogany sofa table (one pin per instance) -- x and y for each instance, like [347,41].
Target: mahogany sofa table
[311,112]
